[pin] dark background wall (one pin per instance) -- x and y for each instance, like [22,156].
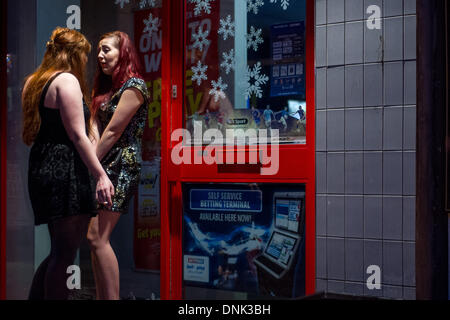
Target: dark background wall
[21,46]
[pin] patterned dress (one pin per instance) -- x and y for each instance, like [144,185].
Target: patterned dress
[123,161]
[59,184]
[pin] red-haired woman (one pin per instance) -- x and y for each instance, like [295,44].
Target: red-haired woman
[56,122]
[120,105]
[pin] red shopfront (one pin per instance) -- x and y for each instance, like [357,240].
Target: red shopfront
[208,241]
[234,216]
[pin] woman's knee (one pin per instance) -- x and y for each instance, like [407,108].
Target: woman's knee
[100,229]
[93,235]
[94,239]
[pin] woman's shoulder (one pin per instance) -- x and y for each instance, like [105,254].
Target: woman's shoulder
[58,77]
[66,84]
[65,79]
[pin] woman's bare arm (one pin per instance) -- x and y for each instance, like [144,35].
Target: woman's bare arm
[94,135]
[70,101]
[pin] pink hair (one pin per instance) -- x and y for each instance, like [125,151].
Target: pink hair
[129,66]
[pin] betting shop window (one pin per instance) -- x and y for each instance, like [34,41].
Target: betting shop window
[245,67]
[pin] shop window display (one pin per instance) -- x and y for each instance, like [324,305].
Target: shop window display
[245,67]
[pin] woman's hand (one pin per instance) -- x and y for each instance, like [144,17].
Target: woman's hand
[104,191]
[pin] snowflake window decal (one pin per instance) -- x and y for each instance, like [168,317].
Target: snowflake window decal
[254,80]
[201,5]
[122,3]
[227,27]
[253,5]
[151,25]
[254,38]
[199,73]
[218,88]
[200,39]
[284,3]
[228,61]
[150,3]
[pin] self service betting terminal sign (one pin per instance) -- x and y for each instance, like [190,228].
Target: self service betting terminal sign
[244,237]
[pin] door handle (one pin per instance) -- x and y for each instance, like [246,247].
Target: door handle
[174,91]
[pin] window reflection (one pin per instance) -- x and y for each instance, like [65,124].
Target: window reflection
[28,26]
[245,67]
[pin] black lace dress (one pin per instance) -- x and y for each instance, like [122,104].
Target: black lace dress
[123,161]
[59,183]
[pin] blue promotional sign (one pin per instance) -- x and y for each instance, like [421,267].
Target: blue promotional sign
[226,200]
[288,58]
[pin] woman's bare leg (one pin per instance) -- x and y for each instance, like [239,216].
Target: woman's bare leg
[105,265]
[95,270]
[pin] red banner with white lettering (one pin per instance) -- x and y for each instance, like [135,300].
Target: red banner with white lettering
[147,219]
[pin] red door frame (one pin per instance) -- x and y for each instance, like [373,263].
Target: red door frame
[3,132]
[172,176]
[172,64]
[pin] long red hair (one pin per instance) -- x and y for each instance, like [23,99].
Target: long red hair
[64,53]
[129,66]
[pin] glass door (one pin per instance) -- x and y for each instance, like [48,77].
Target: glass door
[247,72]
[136,238]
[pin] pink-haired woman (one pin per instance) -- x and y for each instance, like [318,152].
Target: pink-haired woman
[120,105]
